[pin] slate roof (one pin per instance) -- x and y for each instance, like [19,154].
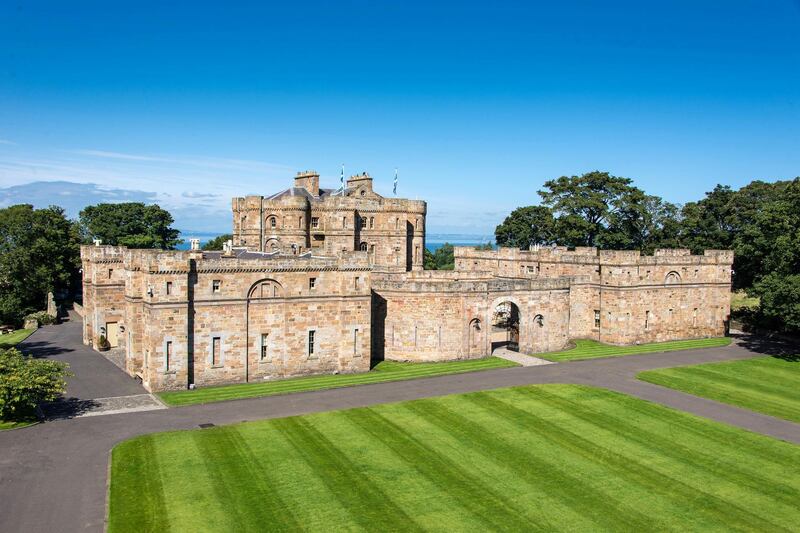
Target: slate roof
[300,191]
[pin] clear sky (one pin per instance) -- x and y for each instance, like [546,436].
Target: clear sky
[477,104]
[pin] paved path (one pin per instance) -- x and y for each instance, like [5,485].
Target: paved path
[53,476]
[520,358]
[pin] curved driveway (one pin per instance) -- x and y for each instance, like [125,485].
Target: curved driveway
[53,475]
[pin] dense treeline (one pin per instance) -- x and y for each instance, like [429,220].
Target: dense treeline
[40,248]
[759,222]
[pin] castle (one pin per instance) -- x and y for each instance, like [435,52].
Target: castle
[321,281]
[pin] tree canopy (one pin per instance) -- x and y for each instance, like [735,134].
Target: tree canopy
[441,259]
[39,253]
[131,224]
[217,242]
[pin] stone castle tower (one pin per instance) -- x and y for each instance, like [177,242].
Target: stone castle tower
[307,218]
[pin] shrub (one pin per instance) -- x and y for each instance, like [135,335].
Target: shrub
[26,382]
[102,343]
[42,318]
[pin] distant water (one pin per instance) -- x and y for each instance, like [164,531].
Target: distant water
[433,242]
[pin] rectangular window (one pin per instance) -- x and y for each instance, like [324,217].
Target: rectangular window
[168,355]
[169,288]
[314,222]
[356,282]
[646,319]
[694,317]
[110,272]
[215,285]
[264,346]
[216,350]
[344,222]
[355,342]
[371,222]
[362,222]
[311,335]
[597,318]
[312,283]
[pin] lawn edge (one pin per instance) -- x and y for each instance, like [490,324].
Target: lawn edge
[547,355]
[166,402]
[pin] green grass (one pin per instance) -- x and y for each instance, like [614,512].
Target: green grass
[768,385]
[535,458]
[589,349]
[383,372]
[9,340]
[12,424]
[740,300]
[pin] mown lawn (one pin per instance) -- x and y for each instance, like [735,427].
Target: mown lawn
[9,424]
[9,340]
[548,457]
[589,349]
[383,372]
[769,385]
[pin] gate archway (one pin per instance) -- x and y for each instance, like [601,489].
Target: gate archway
[505,325]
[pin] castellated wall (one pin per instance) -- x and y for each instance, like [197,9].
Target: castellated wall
[622,297]
[440,315]
[202,318]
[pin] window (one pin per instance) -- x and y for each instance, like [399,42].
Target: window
[168,355]
[646,319]
[356,282]
[362,222]
[372,248]
[110,272]
[216,350]
[397,223]
[169,288]
[215,285]
[355,342]
[272,222]
[312,283]
[363,247]
[264,346]
[597,318]
[315,222]
[344,222]
[694,317]
[311,334]
[371,222]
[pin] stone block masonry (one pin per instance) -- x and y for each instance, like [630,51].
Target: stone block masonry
[323,281]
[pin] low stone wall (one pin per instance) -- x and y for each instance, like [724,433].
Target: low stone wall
[78,308]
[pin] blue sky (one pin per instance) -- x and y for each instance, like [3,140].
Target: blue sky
[477,104]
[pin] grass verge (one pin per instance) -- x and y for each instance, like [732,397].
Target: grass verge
[383,372]
[768,385]
[589,349]
[10,424]
[9,340]
[534,458]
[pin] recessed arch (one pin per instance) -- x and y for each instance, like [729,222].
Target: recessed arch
[672,278]
[265,288]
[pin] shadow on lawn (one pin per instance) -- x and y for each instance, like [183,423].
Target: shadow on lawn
[778,348]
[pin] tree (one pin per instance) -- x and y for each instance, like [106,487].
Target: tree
[526,226]
[26,382]
[583,205]
[441,259]
[131,224]
[642,222]
[217,242]
[39,253]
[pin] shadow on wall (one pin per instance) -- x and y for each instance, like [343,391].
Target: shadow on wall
[378,333]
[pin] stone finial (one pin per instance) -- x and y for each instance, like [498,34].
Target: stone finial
[194,244]
[98,242]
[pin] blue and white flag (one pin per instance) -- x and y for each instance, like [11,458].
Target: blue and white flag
[395,181]
[342,177]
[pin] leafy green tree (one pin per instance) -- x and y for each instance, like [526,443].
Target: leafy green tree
[583,205]
[217,242]
[441,259]
[131,224]
[641,222]
[39,253]
[26,382]
[526,226]
[485,246]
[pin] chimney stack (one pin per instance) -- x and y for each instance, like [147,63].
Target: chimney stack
[308,180]
[194,244]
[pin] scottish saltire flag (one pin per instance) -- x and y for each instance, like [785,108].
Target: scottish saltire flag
[342,177]
[395,181]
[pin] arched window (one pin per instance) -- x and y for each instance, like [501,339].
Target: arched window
[672,278]
[539,320]
[363,247]
[272,222]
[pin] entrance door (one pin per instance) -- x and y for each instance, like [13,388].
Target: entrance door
[112,331]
